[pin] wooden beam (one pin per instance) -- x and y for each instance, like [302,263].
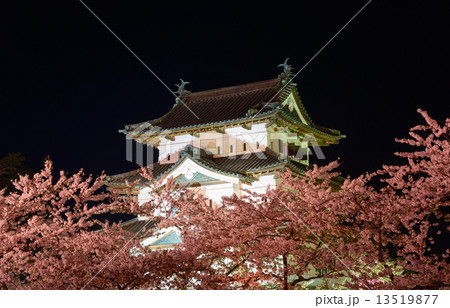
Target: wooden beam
[155,144]
[220,130]
[270,123]
[247,126]
[194,134]
[169,137]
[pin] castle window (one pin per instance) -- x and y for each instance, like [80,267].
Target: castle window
[231,148]
[168,157]
[210,202]
[218,150]
[257,145]
[244,147]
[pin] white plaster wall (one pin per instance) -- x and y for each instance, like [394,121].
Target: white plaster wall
[167,147]
[233,136]
[261,185]
[215,192]
[257,133]
[143,195]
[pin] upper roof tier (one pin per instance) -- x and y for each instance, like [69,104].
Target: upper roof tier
[219,104]
[241,103]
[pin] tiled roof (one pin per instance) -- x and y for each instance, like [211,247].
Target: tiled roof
[228,105]
[218,105]
[331,133]
[131,176]
[246,162]
[240,165]
[137,225]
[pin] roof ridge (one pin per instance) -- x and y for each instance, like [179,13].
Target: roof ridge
[231,90]
[231,94]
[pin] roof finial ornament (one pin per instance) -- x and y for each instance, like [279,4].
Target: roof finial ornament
[287,70]
[181,91]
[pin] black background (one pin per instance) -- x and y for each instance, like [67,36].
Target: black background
[67,85]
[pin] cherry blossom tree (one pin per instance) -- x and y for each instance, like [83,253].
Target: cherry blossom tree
[11,166]
[375,231]
[48,241]
[319,230]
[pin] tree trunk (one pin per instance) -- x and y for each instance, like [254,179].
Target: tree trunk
[285,273]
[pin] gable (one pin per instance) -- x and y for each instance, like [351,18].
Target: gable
[187,167]
[164,238]
[170,238]
[196,177]
[292,104]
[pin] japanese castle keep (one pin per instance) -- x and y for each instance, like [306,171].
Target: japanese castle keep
[222,141]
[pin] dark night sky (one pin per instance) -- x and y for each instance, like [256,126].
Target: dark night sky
[67,85]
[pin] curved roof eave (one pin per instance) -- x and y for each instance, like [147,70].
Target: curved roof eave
[286,117]
[231,121]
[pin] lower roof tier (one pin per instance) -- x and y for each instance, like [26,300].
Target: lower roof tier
[244,166]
